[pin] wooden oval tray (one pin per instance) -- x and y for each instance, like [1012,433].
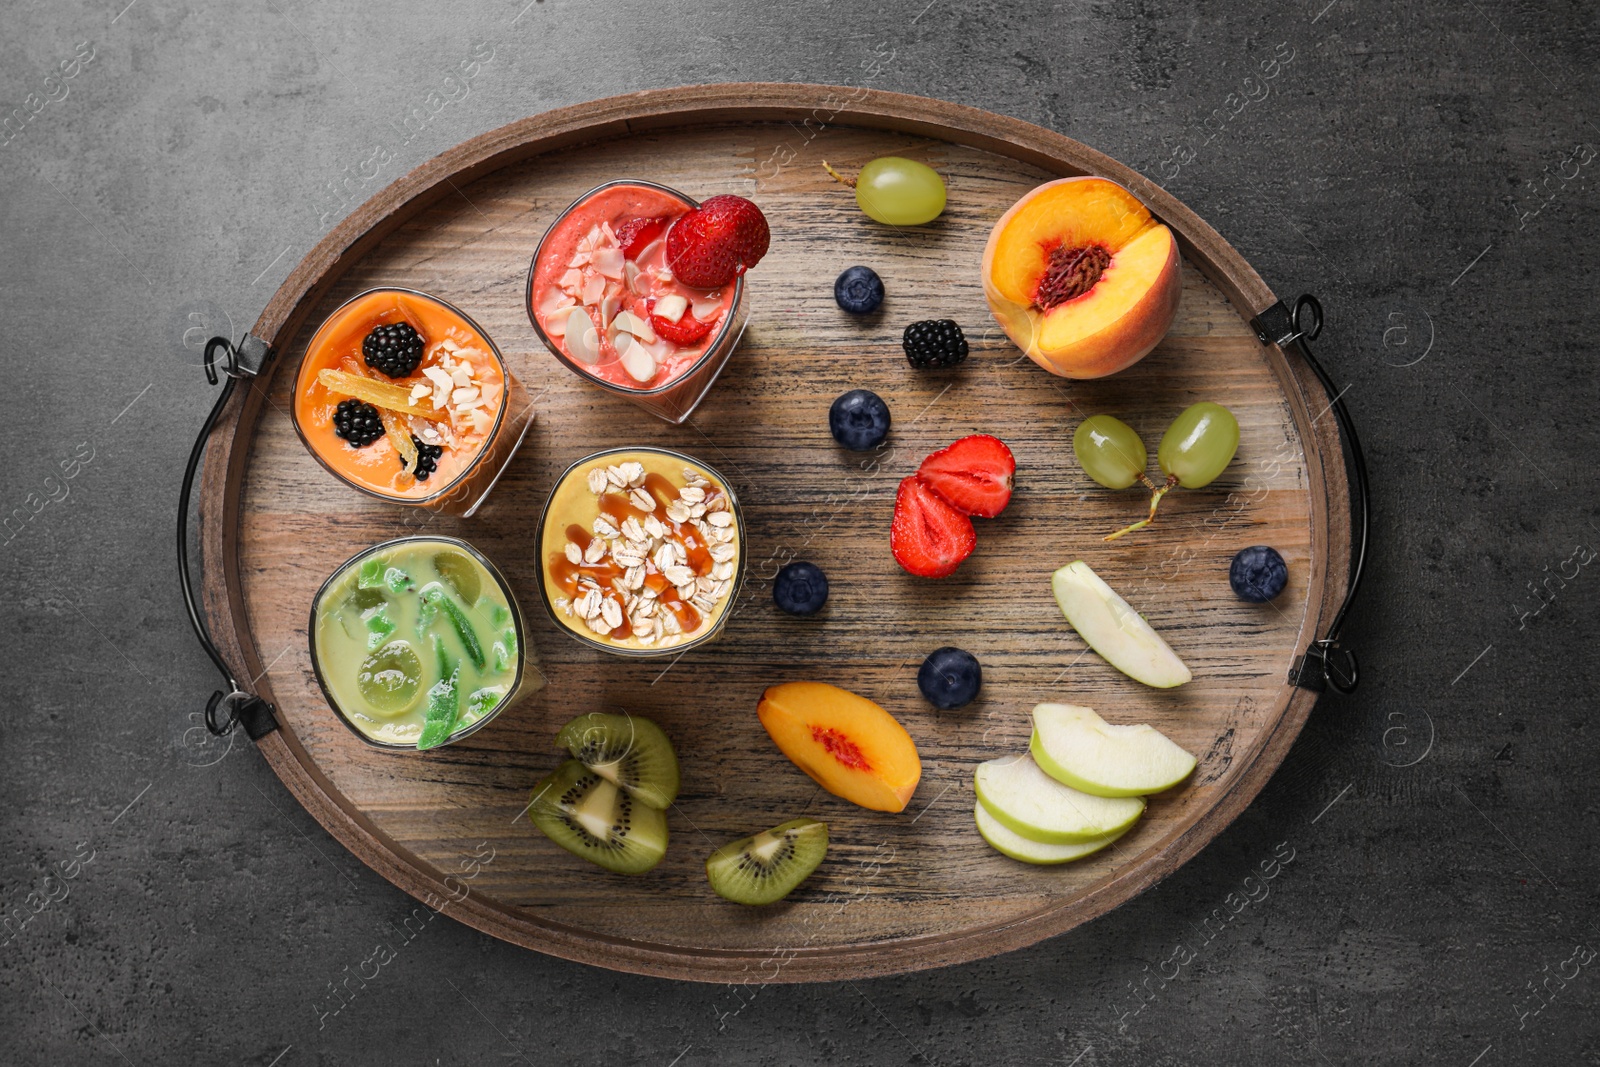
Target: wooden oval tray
[898,892]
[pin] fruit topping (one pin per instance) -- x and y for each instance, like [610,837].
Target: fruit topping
[929,538]
[589,816]
[1113,629]
[1081,277]
[950,677]
[858,290]
[427,458]
[394,350]
[1258,574]
[684,330]
[973,475]
[628,751]
[390,678]
[357,422]
[859,420]
[1030,803]
[1076,747]
[715,243]
[934,343]
[849,745]
[384,395]
[1197,447]
[766,867]
[635,235]
[897,191]
[800,588]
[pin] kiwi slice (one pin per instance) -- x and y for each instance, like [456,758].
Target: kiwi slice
[766,867]
[629,751]
[590,817]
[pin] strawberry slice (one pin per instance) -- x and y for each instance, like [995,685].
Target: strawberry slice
[717,241]
[929,538]
[973,475]
[635,234]
[686,331]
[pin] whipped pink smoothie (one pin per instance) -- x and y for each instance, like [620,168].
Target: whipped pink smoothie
[603,294]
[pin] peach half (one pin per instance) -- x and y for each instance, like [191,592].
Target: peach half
[1081,277]
[849,745]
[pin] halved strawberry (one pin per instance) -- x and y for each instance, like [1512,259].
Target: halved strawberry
[974,475]
[717,242]
[929,538]
[635,234]
[686,331]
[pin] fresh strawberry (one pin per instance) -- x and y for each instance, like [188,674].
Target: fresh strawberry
[635,234]
[717,242]
[686,331]
[973,475]
[929,538]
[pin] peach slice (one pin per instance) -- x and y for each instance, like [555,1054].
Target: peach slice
[1081,277]
[852,747]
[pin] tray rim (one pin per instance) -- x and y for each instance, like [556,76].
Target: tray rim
[722,105]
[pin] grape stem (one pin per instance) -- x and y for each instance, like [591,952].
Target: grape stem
[840,178]
[1156,493]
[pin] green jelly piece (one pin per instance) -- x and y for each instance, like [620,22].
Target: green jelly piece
[484,700]
[444,707]
[426,614]
[390,678]
[499,614]
[502,656]
[379,626]
[435,593]
[371,574]
[397,580]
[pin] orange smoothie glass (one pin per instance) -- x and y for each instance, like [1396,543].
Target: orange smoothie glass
[459,410]
[599,286]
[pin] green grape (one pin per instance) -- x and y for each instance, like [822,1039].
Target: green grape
[461,574]
[1110,451]
[390,678]
[900,192]
[1199,445]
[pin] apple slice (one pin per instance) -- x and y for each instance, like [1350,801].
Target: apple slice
[1010,843]
[1029,802]
[1076,747]
[1115,630]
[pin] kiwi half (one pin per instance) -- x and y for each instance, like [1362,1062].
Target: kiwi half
[766,867]
[590,817]
[628,751]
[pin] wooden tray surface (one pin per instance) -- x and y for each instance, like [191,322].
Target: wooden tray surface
[898,892]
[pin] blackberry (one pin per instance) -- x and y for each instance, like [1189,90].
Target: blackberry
[394,350]
[427,458]
[934,343]
[357,422]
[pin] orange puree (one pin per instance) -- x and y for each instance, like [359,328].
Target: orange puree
[450,344]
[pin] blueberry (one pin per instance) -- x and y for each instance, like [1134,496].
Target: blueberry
[858,290]
[950,677]
[1258,573]
[859,420]
[800,588]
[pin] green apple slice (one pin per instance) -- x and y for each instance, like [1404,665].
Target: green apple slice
[1029,802]
[1076,747]
[1115,630]
[1010,843]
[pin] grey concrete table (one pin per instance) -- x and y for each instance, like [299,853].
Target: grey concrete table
[1427,169]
